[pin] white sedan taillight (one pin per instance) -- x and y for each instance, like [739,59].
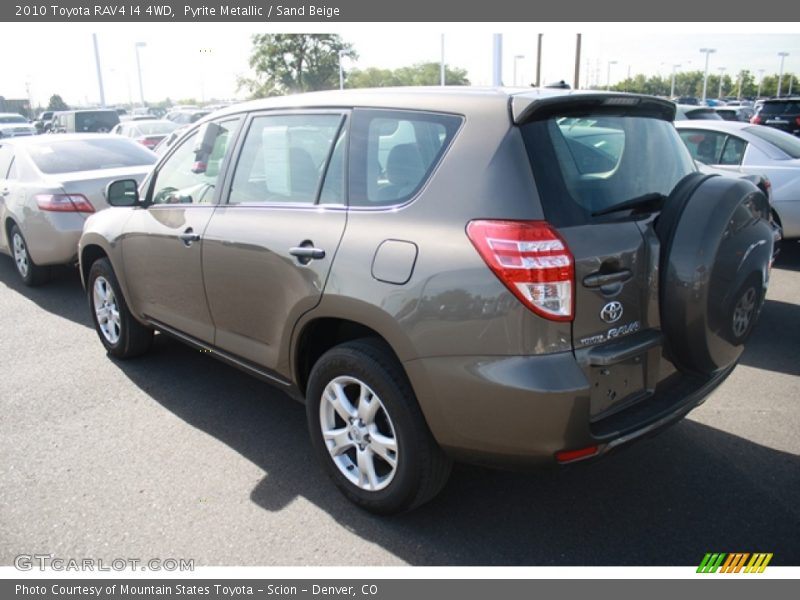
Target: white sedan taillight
[532,261]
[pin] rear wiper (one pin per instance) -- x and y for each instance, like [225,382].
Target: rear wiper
[655,199]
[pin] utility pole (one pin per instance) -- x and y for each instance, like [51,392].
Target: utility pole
[577,80]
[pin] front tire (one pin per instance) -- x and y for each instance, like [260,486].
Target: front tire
[31,273]
[121,334]
[368,430]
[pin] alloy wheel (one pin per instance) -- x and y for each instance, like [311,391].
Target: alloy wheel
[358,433]
[106,310]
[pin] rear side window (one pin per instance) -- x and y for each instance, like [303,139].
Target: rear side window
[586,164]
[394,152]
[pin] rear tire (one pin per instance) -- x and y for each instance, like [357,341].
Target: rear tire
[369,432]
[31,273]
[121,334]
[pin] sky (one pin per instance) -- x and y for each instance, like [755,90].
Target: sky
[202,61]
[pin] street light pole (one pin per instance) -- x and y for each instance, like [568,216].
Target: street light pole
[783,55]
[672,86]
[760,81]
[442,75]
[608,74]
[708,52]
[516,58]
[139,70]
[341,70]
[721,72]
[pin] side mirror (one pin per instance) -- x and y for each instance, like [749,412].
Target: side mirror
[123,192]
[208,134]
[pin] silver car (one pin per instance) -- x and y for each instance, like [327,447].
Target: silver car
[49,185]
[752,149]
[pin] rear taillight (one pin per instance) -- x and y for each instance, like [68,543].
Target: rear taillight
[532,261]
[755,120]
[797,121]
[64,203]
[149,142]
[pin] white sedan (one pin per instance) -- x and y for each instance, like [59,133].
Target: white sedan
[752,149]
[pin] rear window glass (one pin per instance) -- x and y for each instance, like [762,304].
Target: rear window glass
[705,114]
[588,164]
[780,108]
[394,152]
[96,120]
[786,142]
[89,155]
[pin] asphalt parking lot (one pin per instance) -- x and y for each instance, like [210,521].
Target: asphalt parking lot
[177,455]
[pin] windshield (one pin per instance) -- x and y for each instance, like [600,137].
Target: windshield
[12,119]
[89,155]
[587,165]
[785,141]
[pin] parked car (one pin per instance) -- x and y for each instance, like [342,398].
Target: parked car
[147,132]
[48,185]
[690,112]
[186,116]
[735,113]
[43,121]
[754,149]
[84,121]
[780,113]
[441,274]
[14,125]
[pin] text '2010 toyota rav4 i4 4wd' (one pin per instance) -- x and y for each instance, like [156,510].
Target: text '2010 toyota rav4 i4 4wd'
[490,276]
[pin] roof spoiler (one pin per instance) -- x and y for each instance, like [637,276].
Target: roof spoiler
[526,108]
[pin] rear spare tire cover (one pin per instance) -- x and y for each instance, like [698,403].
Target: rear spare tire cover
[716,245]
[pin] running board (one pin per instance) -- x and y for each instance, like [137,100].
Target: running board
[231,359]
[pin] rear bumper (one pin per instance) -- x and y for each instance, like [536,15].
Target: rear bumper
[52,237]
[521,411]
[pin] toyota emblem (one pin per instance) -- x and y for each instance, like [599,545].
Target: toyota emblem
[611,312]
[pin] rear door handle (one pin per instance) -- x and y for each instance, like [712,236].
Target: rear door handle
[189,236]
[600,279]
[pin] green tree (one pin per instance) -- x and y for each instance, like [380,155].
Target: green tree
[428,73]
[57,103]
[286,63]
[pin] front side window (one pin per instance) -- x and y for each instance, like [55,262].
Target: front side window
[284,157]
[191,173]
[394,153]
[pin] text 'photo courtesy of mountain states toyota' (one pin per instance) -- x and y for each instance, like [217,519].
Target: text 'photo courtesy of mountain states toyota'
[504,278]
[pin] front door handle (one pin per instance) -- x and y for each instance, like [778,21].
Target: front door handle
[189,236]
[305,254]
[5,192]
[600,279]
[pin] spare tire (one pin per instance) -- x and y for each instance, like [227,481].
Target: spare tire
[716,246]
